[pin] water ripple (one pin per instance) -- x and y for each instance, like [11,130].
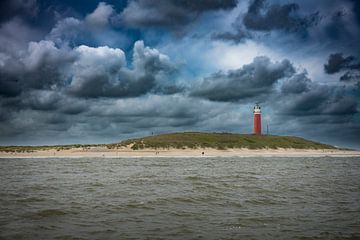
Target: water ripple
[189,198]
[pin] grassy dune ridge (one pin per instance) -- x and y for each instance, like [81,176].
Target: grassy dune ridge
[192,140]
[221,141]
[47,147]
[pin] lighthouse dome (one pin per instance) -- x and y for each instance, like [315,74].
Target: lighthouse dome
[257,108]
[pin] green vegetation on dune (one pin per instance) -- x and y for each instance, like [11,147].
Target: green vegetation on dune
[191,140]
[42,148]
[221,141]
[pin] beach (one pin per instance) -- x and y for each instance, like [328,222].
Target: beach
[172,152]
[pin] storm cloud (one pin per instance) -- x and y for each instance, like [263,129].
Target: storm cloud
[252,80]
[165,13]
[302,97]
[40,66]
[11,8]
[338,63]
[262,17]
[89,72]
[110,70]
[235,37]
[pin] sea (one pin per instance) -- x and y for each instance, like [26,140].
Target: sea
[180,198]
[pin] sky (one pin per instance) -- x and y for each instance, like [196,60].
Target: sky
[85,71]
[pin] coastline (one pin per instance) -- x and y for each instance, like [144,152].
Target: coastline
[178,153]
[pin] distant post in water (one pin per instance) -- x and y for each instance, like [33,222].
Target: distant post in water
[257,119]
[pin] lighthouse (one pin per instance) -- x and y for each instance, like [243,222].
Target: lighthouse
[257,119]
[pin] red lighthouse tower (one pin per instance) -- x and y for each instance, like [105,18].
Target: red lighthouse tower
[257,119]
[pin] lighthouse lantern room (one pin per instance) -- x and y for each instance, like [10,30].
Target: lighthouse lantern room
[257,119]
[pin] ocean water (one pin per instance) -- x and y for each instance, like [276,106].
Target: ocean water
[180,198]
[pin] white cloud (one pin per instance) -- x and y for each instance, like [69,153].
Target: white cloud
[100,57]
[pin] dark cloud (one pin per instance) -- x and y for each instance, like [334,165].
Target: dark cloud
[298,83]
[69,72]
[337,62]
[252,80]
[356,10]
[119,119]
[169,13]
[86,71]
[47,90]
[236,37]
[12,8]
[301,97]
[320,101]
[43,100]
[41,66]
[45,65]
[336,27]
[9,85]
[15,36]
[350,76]
[98,28]
[263,17]
[73,106]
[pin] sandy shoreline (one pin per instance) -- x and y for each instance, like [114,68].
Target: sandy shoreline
[128,152]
